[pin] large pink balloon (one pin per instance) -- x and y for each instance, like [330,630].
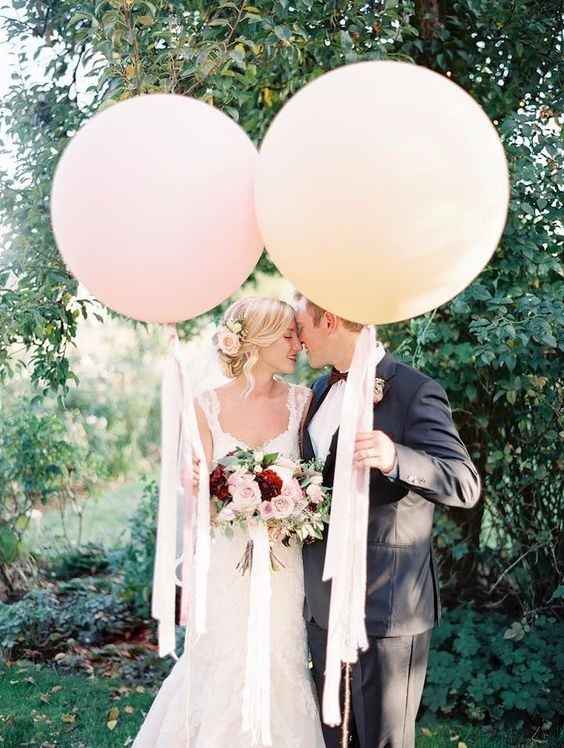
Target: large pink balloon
[382,190]
[152,207]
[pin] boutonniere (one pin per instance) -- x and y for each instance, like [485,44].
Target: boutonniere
[378,390]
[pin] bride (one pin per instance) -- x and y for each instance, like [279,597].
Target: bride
[254,410]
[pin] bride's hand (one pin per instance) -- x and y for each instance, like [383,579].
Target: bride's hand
[185,474]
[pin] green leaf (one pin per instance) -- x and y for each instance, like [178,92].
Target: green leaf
[550,340]
[9,545]
[270,459]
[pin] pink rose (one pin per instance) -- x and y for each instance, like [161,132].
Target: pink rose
[301,505]
[246,495]
[292,490]
[266,510]
[314,493]
[236,478]
[228,342]
[282,506]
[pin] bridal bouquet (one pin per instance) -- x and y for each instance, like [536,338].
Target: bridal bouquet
[287,496]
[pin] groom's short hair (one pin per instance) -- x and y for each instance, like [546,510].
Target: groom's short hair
[317,313]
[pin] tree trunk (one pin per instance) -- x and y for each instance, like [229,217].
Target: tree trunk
[429,17]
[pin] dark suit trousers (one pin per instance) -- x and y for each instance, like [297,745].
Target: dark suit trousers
[386,687]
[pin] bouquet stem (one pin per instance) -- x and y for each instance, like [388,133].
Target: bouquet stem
[275,562]
[246,562]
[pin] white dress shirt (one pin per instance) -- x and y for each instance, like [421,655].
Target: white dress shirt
[327,419]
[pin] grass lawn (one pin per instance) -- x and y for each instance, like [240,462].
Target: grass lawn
[104,519]
[40,707]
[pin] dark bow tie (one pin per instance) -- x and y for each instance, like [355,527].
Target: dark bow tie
[336,376]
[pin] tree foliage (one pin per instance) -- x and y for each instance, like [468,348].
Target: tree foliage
[497,347]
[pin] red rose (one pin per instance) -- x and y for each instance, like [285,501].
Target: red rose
[270,484]
[218,484]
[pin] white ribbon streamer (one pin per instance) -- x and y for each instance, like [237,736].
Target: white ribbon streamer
[164,593]
[257,689]
[345,560]
[179,427]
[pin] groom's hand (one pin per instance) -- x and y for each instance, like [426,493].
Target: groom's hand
[374,449]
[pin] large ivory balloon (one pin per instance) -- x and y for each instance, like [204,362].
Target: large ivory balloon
[382,190]
[152,207]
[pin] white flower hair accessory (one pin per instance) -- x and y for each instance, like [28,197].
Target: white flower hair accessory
[230,337]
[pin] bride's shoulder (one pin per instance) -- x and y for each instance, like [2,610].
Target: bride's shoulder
[300,392]
[206,399]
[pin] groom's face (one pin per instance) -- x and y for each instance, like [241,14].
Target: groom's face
[314,338]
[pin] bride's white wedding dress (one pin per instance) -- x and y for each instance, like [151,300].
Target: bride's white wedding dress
[217,658]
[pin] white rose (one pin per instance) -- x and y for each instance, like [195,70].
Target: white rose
[285,474]
[226,514]
[285,462]
[314,493]
[258,456]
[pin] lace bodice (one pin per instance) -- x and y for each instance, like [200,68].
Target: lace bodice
[286,443]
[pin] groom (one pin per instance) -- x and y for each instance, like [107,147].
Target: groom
[416,460]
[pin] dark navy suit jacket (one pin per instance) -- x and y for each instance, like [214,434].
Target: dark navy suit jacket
[434,467]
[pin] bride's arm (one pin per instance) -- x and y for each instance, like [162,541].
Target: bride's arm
[205,433]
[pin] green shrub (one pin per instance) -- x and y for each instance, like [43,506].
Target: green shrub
[138,557]
[41,460]
[89,559]
[86,610]
[484,667]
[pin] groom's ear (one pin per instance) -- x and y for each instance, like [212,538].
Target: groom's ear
[331,322]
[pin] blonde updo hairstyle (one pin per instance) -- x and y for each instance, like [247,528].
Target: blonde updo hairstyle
[264,321]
